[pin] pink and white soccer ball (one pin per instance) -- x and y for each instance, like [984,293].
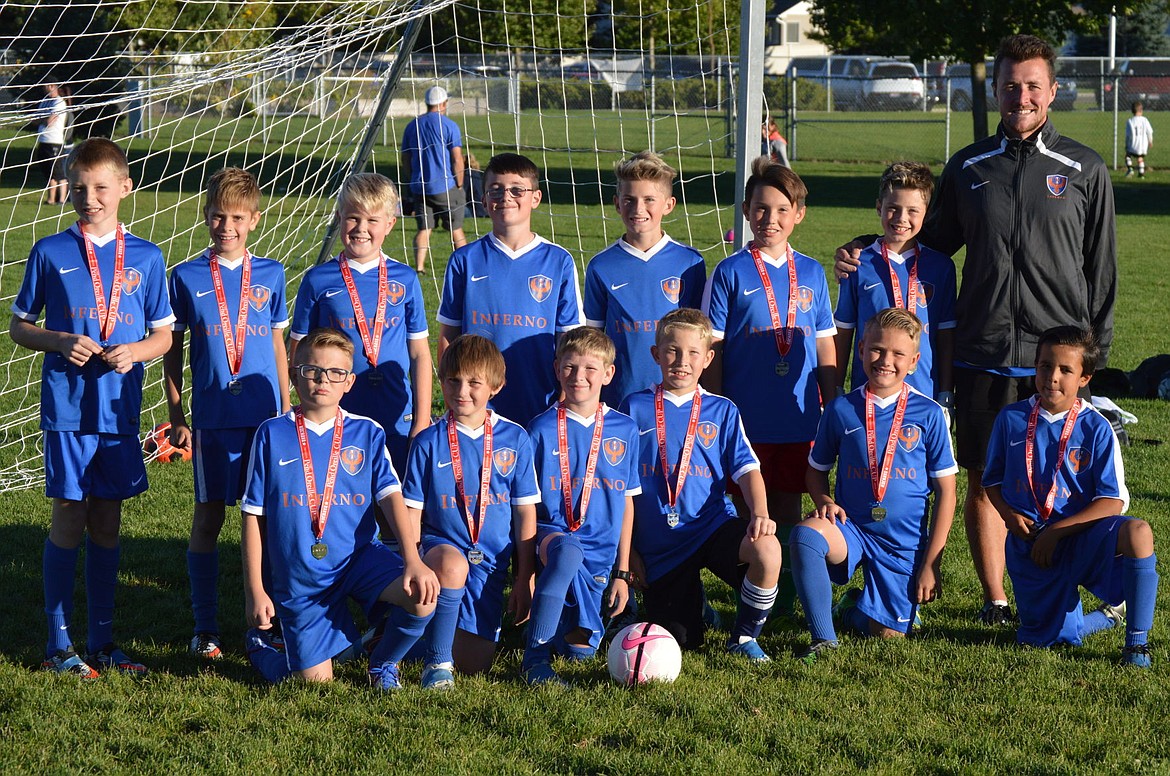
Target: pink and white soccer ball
[642,653]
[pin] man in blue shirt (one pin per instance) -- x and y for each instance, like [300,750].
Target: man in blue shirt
[432,160]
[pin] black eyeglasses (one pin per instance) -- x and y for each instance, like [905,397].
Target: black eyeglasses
[497,192]
[314,373]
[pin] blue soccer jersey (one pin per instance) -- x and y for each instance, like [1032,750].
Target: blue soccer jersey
[721,453]
[923,452]
[276,490]
[196,309]
[519,300]
[93,398]
[430,486]
[323,300]
[1091,468]
[779,403]
[627,291]
[868,291]
[615,478]
[429,140]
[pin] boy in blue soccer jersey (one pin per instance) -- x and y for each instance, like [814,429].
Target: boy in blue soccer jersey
[587,466]
[513,287]
[774,354]
[691,444]
[1055,476]
[892,448]
[899,271]
[377,302]
[642,276]
[314,475]
[470,480]
[104,295]
[233,304]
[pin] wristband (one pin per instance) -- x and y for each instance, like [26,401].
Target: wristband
[625,576]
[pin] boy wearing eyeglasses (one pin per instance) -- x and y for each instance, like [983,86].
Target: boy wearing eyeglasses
[515,288]
[313,475]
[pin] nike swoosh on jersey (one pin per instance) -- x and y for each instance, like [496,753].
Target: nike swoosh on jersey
[630,643]
[645,432]
[849,431]
[67,270]
[444,465]
[334,292]
[201,294]
[1015,443]
[871,285]
[286,463]
[477,278]
[980,184]
[903,619]
[749,293]
[619,285]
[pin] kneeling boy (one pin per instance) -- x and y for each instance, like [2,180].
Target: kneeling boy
[1054,473]
[892,447]
[313,477]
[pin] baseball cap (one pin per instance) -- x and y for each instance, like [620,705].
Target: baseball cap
[436,95]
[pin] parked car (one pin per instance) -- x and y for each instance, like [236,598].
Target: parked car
[959,75]
[841,76]
[892,85]
[1145,80]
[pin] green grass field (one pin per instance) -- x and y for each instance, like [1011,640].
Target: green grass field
[957,699]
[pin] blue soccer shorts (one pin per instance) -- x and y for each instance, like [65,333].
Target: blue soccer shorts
[221,457]
[888,595]
[481,613]
[106,466]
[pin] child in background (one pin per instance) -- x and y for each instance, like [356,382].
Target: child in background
[104,295]
[1139,139]
[892,448]
[587,465]
[1055,476]
[233,304]
[313,476]
[470,481]
[641,277]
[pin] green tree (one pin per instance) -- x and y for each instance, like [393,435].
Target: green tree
[962,31]
[526,28]
[1140,34]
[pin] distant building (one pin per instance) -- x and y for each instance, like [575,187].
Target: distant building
[787,35]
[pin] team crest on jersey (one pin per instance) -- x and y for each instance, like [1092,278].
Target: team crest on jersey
[540,286]
[258,297]
[614,449]
[804,298]
[352,459]
[1057,184]
[505,460]
[706,432]
[925,293]
[672,287]
[131,280]
[397,292]
[908,437]
[1078,459]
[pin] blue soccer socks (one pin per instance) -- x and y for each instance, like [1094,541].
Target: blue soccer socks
[402,631]
[810,571]
[1139,583]
[441,633]
[101,579]
[59,569]
[565,557]
[755,604]
[203,572]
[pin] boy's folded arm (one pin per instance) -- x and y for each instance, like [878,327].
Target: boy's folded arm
[1098,509]
[77,348]
[1017,524]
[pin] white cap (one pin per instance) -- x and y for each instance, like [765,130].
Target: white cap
[436,95]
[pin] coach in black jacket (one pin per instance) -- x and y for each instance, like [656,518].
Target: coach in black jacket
[1035,211]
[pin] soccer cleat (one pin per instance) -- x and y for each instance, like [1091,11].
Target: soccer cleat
[66,661]
[276,635]
[847,601]
[207,646]
[815,651]
[540,674]
[438,676]
[1114,613]
[385,677]
[995,614]
[1138,656]
[750,649]
[615,624]
[112,658]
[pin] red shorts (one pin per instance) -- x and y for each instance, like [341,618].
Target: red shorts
[782,465]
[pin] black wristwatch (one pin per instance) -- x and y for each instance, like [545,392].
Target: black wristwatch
[625,576]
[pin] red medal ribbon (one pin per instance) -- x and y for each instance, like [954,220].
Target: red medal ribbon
[1070,420]
[371,343]
[910,304]
[485,474]
[235,355]
[880,478]
[786,333]
[575,522]
[684,460]
[107,318]
[319,505]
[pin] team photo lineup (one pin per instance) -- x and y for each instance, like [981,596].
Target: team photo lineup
[602,439]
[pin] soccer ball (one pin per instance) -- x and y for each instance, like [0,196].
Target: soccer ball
[158,446]
[642,653]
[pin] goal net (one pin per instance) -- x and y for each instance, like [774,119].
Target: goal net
[293,90]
